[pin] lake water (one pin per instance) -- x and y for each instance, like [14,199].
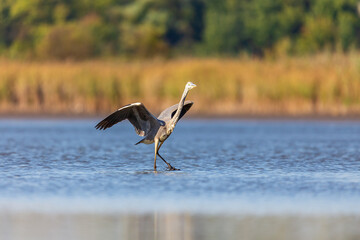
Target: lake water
[251,179]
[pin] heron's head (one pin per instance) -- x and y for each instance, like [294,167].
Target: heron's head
[190,85]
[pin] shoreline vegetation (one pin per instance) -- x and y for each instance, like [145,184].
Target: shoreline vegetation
[323,85]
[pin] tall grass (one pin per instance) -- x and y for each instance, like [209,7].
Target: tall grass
[322,84]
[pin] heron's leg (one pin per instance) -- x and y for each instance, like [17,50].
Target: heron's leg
[169,165]
[156,152]
[161,143]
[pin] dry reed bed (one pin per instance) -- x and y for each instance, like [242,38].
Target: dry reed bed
[323,84]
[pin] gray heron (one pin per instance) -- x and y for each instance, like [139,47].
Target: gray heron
[154,130]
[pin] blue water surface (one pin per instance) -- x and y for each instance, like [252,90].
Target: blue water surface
[231,166]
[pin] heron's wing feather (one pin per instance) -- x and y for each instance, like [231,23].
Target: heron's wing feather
[168,113]
[137,114]
[183,111]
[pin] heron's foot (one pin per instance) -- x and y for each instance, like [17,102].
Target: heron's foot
[171,168]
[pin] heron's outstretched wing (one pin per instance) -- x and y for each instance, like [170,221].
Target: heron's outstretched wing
[142,120]
[168,113]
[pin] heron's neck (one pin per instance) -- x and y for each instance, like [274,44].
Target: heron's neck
[175,119]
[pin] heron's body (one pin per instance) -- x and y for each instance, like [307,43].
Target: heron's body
[154,130]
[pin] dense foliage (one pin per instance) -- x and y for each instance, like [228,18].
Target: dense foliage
[78,29]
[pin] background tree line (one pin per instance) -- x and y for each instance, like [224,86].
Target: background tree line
[79,29]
